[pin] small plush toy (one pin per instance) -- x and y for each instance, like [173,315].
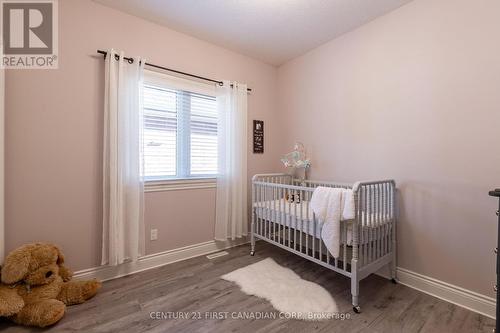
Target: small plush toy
[36,286]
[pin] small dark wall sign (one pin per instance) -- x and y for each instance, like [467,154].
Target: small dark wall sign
[258,137]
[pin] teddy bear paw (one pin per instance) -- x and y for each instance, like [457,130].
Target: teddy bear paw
[42,313]
[76,292]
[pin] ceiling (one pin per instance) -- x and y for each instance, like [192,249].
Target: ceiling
[273,31]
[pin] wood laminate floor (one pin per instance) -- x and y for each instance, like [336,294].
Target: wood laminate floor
[194,288]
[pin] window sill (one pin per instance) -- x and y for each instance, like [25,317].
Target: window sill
[179,184]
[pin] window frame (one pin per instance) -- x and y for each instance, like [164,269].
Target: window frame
[182,179]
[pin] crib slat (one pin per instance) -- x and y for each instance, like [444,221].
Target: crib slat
[374,226]
[389,198]
[377,222]
[295,226]
[393,226]
[359,221]
[266,205]
[270,211]
[385,218]
[343,229]
[255,207]
[286,220]
[389,232]
[307,229]
[280,217]
[327,256]
[313,239]
[368,216]
[270,193]
[261,209]
[372,222]
[301,234]
[367,230]
[389,217]
[382,219]
[289,222]
[262,204]
[320,244]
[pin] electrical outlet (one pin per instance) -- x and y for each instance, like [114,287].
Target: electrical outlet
[154,234]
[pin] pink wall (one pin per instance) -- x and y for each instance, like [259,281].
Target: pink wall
[54,133]
[183,217]
[414,96]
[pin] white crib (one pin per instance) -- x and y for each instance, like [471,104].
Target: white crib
[281,216]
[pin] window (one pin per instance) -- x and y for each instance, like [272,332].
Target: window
[180,129]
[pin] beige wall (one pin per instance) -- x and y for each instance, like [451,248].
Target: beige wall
[54,133]
[414,96]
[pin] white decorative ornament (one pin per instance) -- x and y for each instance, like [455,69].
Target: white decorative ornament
[296,158]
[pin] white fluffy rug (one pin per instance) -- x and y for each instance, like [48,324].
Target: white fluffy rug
[286,291]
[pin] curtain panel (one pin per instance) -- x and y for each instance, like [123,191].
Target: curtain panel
[123,185]
[231,220]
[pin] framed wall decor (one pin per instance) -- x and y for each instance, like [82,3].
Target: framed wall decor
[258,137]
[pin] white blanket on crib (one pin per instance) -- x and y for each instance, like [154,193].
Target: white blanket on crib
[332,205]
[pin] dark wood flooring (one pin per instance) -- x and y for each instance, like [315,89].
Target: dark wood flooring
[194,287]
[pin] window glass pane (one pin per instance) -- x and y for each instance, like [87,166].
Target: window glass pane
[203,129]
[160,132]
[180,131]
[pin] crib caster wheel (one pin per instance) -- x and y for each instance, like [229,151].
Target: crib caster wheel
[356,309]
[252,253]
[394,281]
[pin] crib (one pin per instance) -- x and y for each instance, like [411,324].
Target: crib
[281,216]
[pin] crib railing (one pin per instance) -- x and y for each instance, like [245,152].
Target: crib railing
[375,213]
[290,224]
[284,218]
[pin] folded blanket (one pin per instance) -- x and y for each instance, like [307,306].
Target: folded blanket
[332,205]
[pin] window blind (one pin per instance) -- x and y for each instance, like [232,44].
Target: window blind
[180,133]
[203,135]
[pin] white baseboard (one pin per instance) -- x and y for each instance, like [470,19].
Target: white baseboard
[468,299]
[105,273]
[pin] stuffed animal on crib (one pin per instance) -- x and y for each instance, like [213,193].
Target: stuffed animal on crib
[292,198]
[36,286]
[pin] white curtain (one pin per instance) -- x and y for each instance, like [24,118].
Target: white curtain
[123,229]
[231,219]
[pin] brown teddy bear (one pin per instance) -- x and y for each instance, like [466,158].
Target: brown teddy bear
[36,286]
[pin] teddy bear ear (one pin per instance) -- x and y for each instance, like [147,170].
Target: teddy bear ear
[16,266]
[60,255]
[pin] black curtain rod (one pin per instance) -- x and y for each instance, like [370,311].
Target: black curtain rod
[130,60]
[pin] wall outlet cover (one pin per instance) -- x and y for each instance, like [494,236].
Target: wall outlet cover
[154,234]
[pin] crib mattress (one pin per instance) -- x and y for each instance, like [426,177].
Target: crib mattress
[299,216]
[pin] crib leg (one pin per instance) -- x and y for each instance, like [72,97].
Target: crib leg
[355,287]
[355,295]
[252,238]
[393,262]
[393,269]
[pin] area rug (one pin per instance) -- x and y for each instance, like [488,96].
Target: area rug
[285,290]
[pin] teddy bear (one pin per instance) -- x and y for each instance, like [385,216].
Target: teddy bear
[36,286]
